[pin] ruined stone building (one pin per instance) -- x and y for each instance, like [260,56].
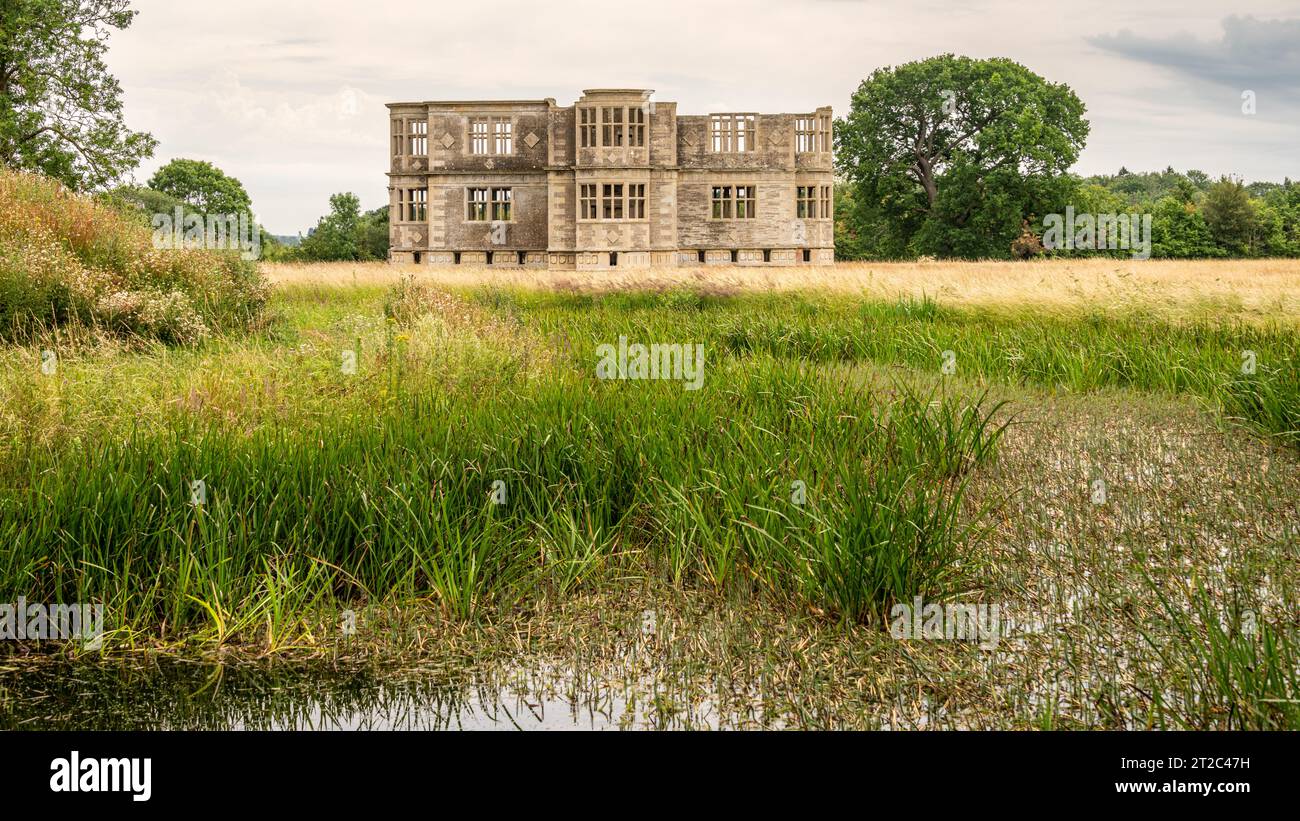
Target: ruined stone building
[615,180]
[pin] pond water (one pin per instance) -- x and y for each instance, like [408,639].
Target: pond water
[178,695]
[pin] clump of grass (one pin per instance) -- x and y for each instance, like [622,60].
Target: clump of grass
[1268,400]
[67,260]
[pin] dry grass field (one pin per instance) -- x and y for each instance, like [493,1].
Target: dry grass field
[1251,290]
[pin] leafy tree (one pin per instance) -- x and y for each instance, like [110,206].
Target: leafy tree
[372,239]
[202,186]
[60,109]
[1179,231]
[335,235]
[1232,219]
[956,153]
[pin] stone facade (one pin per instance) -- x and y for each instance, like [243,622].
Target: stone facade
[616,180]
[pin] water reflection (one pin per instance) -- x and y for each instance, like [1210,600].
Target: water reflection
[178,695]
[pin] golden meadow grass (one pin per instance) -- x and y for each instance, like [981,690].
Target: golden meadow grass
[374,491]
[1265,290]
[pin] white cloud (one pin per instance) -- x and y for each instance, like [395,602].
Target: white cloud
[289,96]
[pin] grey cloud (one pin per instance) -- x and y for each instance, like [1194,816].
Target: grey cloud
[1252,54]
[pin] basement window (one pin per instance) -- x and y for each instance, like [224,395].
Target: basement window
[767,254]
[807,255]
[613,258]
[700,255]
[735,255]
[489,257]
[521,257]
[455,257]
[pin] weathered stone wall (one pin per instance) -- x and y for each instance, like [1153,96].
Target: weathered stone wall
[547,164]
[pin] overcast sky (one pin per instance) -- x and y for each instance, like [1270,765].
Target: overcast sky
[289,95]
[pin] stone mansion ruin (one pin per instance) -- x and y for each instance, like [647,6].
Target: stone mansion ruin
[615,180]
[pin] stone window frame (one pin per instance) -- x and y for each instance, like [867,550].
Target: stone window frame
[812,134]
[824,196]
[417,133]
[588,127]
[636,123]
[726,203]
[501,201]
[625,203]
[726,138]
[597,129]
[399,136]
[825,133]
[588,196]
[487,206]
[805,202]
[412,204]
[489,137]
[635,209]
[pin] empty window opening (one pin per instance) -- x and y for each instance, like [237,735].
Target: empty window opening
[613,258]
[700,254]
[767,254]
[501,200]
[636,127]
[587,202]
[502,137]
[412,204]
[636,200]
[805,135]
[735,255]
[806,202]
[732,133]
[611,201]
[491,135]
[521,257]
[417,257]
[734,202]
[419,138]
[455,257]
[807,255]
[611,130]
[489,257]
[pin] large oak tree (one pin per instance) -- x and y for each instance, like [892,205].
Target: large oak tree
[60,109]
[949,155]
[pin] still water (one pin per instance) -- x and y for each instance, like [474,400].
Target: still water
[178,695]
